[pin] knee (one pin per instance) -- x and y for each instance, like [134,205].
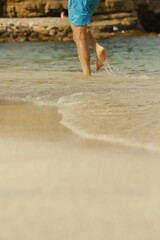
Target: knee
[80,34]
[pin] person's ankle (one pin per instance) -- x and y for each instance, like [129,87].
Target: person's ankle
[86,75]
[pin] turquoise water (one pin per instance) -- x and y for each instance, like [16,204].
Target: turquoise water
[129,55]
[121,109]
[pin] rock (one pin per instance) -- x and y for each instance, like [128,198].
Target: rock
[10,24]
[113,17]
[2,32]
[5,34]
[146,12]
[52,32]
[149,14]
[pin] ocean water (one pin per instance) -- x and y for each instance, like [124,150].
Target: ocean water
[120,107]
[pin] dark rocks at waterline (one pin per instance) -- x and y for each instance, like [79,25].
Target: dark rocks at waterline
[57,29]
[20,30]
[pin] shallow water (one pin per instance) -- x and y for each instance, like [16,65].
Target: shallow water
[122,109]
[140,55]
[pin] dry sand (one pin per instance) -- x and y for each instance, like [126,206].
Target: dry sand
[54,185]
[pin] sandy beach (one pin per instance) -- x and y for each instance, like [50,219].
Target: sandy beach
[79,158]
[54,185]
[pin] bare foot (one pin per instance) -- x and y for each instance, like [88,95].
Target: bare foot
[100,57]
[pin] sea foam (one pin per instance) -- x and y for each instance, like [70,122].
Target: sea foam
[69,105]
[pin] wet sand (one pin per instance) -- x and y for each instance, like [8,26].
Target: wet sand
[26,121]
[54,185]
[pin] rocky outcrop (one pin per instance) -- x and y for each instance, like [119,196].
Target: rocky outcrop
[35,29]
[149,14]
[116,16]
[2,10]
[129,14]
[33,8]
[143,15]
[113,17]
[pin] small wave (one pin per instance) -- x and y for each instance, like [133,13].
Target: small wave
[66,106]
[68,99]
[108,138]
[44,100]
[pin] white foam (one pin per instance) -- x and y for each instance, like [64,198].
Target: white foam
[108,138]
[66,105]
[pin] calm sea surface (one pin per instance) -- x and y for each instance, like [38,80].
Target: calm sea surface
[129,55]
[122,108]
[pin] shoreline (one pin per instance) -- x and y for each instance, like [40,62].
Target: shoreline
[56,29]
[26,118]
[27,122]
[61,182]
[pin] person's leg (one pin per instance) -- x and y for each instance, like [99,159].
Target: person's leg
[99,50]
[80,38]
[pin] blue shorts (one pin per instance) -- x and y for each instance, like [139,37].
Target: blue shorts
[80,11]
